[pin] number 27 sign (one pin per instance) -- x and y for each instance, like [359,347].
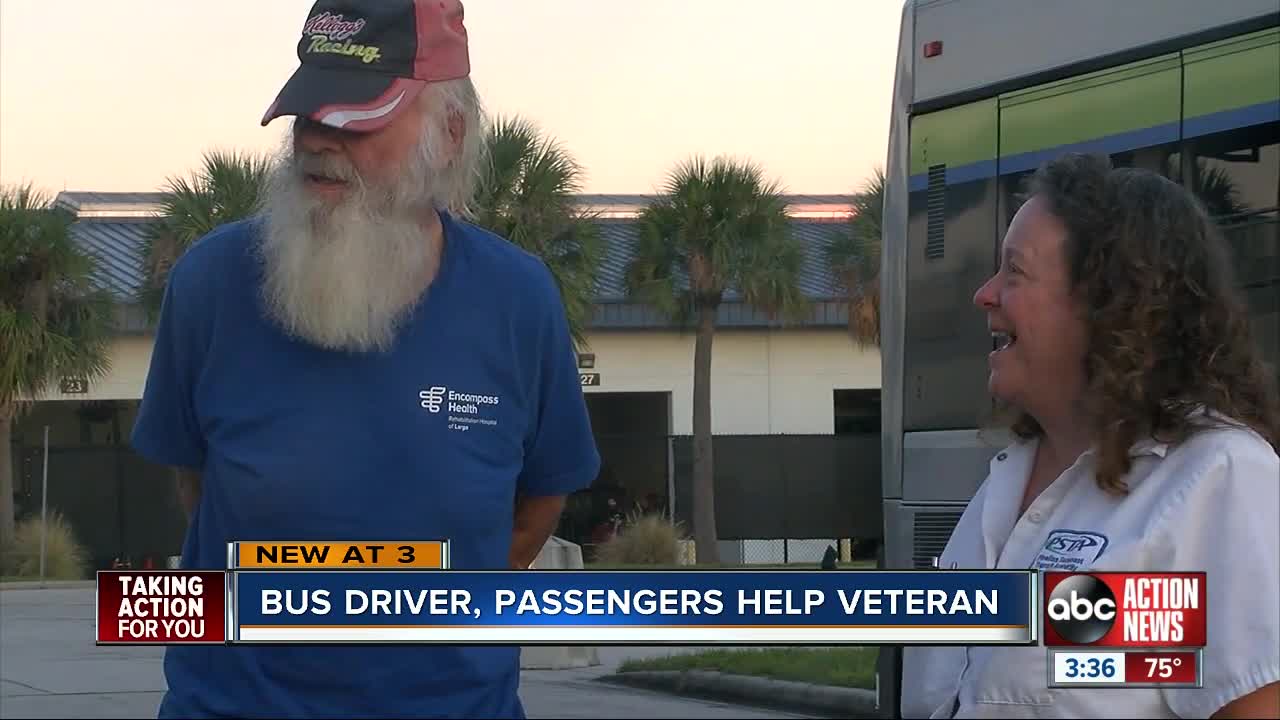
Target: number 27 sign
[589,379]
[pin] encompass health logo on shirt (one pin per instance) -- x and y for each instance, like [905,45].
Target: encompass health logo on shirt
[1115,609]
[465,409]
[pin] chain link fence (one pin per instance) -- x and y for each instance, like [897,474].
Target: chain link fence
[786,498]
[780,499]
[119,507]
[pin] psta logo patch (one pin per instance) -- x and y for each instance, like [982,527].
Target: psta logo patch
[1070,550]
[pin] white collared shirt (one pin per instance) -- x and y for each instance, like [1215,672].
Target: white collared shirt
[1210,504]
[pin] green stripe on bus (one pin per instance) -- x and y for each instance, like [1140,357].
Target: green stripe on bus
[1109,102]
[1232,73]
[955,136]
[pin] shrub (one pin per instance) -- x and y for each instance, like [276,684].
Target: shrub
[645,539]
[65,558]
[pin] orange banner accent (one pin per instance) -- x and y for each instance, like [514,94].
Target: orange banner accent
[349,555]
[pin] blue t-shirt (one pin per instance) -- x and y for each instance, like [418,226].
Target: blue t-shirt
[299,443]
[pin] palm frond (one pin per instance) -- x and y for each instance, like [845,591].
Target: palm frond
[717,225]
[657,273]
[227,187]
[526,195]
[853,254]
[768,278]
[1219,193]
[54,318]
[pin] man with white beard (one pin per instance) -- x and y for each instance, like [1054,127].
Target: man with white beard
[358,362]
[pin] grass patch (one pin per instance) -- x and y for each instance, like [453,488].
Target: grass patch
[843,667]
[65,557]
[644,540]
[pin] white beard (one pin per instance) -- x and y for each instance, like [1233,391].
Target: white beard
[347,276]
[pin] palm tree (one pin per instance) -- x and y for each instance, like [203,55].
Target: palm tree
[717,227]
[55,321]
[854,258]
[226,188]
[526,194]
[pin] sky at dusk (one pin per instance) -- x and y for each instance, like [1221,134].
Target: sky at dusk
[122,95]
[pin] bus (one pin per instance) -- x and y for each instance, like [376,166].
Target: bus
[987,90]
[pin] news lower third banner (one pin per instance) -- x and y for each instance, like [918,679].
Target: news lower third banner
[571,607]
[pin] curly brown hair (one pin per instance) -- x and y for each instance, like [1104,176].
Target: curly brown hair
[1168,332]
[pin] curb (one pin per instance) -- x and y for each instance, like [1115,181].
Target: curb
[842,702]
[47,584]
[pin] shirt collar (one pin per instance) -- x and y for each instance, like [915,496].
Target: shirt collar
[1140,447]
[1010,470]
[1148,446]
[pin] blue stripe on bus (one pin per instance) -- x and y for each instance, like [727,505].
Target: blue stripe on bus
[1231,119]
[1146,137]
[958,174]
[1167,133]
[1132,140]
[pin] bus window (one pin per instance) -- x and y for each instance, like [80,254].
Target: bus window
[1157,159]
[1163,158]
[1236,174]
[950,234]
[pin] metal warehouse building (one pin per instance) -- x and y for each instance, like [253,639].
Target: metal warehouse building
[795,409]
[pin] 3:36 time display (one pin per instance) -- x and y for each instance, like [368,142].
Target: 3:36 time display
[1089,668]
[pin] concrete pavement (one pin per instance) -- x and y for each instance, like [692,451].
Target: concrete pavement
[49,667]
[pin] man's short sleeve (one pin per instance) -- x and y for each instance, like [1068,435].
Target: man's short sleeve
[167,430]
[1224,522]
[560,449]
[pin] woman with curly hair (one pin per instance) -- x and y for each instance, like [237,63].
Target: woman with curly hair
[1146,428]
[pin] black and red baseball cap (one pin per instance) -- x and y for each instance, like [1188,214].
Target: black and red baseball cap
[363,61]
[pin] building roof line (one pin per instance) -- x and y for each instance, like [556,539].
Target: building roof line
[89,204]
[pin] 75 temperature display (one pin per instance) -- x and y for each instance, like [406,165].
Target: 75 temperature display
[1163,668]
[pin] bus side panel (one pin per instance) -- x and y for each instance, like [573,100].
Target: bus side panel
[1120,110]
[1232,82]
[950,253]
[985,42]
[1230,158]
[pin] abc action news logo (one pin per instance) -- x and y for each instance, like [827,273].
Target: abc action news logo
[1113,609]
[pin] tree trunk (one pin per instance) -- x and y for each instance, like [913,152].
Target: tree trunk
[6,478]
[704,494]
